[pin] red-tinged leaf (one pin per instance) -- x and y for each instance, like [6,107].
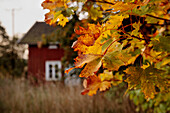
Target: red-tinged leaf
[85,58]
[94,84]
[81,31]
[91,67]
[85,91]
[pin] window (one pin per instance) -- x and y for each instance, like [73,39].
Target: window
[53,70]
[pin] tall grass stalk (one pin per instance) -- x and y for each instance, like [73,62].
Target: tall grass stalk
[17,96]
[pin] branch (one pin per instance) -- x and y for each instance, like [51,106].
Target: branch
[159,24]
[157,17]
[131,35]
[102,2]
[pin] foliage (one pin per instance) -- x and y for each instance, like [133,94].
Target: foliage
[128,39]
[160,104]
[11,55]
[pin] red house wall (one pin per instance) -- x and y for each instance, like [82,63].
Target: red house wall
[37,58]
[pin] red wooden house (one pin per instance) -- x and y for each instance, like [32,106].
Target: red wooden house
[43,61]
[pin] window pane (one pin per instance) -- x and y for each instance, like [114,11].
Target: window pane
[56,71]
[56,75]
[56,68]
[50,66]
[50,71]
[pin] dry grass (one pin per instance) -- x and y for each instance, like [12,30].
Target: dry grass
[18,96]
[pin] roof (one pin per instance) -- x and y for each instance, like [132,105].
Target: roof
[35,33]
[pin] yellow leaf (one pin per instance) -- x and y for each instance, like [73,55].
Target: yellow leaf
[165,61]
[145,66]
[55,17]
[62,20]
[107,75]
[52,16]
[137,27]
[114,21]
[117,79]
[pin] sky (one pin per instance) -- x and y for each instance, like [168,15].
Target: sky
[27,12]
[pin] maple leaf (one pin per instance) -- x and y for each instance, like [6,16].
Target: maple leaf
[135,32]
[93,63]
[89,41]
[62,20]
[48,17]
[162,44]
[52,4]
[93,83]
[52,17]
[114,21]
[111,61]
[108,76]
[122,6]
[153,56]
[147,79]
[116,57]
[110,46]
[92,66]
[117,79]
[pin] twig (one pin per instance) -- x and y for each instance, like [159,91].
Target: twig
[157,17]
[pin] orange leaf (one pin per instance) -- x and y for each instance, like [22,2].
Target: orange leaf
[93,84]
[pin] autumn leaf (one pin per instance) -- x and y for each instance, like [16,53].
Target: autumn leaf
[62,20]
[53,16]
[114,79]
[93,84]
[89,41]
[95,13]
[118,34]
[117,79]
[114,21]
[91,67]
[147,79]
[111,61]
[135,32]
[113,58]
[93,64]
[106,75]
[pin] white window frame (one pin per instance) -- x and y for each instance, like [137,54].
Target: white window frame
[47,74]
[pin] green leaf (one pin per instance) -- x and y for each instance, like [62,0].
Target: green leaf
[147,79]
[108,42]
[163,44]
[151,20]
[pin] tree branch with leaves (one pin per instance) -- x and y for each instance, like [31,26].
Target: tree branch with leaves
[133,34]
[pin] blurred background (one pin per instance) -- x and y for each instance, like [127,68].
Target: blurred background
[32,79]
[21,13]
